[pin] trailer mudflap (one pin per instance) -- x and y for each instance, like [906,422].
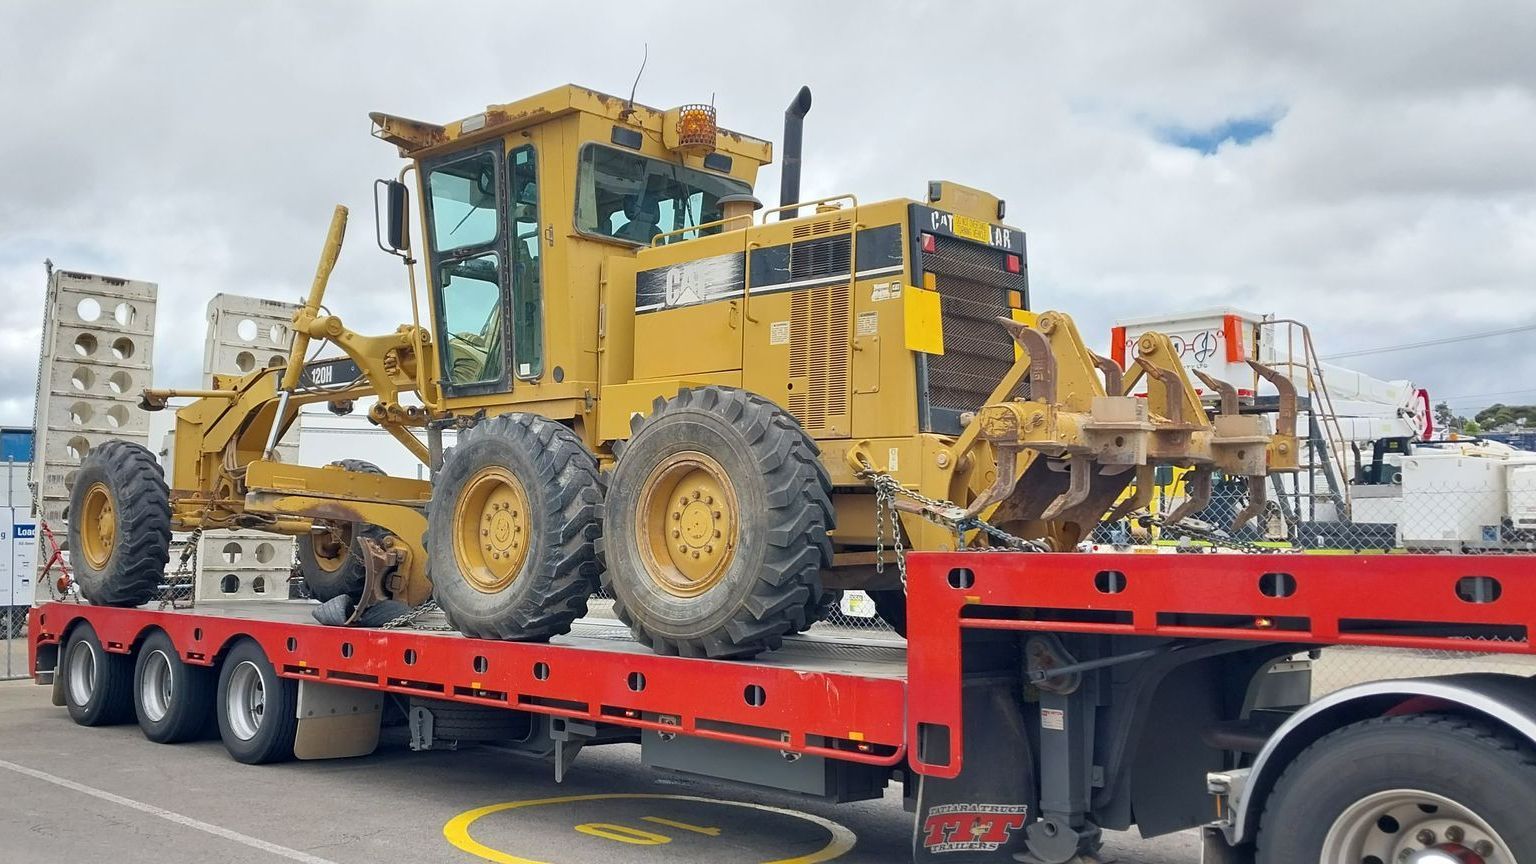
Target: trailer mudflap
[980,815]
[337,722]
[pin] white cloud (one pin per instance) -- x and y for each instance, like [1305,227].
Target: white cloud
[202,145]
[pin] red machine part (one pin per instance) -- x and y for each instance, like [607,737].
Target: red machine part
[850,717]
[1483,603]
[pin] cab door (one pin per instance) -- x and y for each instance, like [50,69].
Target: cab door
[467,267]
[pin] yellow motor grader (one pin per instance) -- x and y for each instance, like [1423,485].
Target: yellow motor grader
[718,412]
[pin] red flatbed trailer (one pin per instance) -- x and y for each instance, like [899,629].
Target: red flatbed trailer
[1039,699]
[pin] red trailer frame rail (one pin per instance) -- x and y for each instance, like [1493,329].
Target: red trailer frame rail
[1484,603]
[842,716]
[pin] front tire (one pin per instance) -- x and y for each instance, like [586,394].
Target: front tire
[1386,789]
[717,526]
[332,564]
[257,710]
[513,529]
[173,700]
[98,686]
[120,530]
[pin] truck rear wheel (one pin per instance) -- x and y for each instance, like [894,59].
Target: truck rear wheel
[331,562]
[258,711]
[120,527]
[98,687]
[513,529]
[1404,789]
[717,526]
[173,700]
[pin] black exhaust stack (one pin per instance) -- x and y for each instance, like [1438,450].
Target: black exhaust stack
[789,175]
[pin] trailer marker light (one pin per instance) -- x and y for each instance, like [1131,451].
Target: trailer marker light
[929,242]
[856,736]
[1012,263]
[1264,623]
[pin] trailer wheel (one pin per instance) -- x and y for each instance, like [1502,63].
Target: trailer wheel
[717,522]
[257,711]
[173,700]
[513,527]
[120,533]
[98,686]
[1425,787]
[332,562]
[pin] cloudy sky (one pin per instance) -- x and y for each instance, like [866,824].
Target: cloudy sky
[1365,167]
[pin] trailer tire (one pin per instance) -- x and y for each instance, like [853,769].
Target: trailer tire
[454,722]
[120,536]
[173,699]
[1384,781]
[98,686]
[257,710]
[513,529]
[326,576]
[754,583]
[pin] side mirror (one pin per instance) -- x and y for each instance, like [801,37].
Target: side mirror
[390,226]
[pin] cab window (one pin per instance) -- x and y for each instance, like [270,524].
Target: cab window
[527,294]
[633,198]
[467,262]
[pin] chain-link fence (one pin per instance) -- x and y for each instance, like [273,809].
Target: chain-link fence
[1455,505]
[13,629]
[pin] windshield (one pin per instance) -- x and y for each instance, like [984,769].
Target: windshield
[633,198]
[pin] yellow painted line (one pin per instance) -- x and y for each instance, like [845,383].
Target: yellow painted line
[456,831]
[682,826]
[622,833]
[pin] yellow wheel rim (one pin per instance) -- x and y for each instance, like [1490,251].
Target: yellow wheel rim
[492,531]
[333,547]
[687,531]
[98,525]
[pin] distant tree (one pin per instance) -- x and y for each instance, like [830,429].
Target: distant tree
[1499,415]
[1443,416]
[1471,427]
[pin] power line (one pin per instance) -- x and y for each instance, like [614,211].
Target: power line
[1484,395]
[1444,340]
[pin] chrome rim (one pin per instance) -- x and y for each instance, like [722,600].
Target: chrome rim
[82,673]
[245,701]
[1413,827]
[155,686]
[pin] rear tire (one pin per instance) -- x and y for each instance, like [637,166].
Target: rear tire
[98,686]
[120,533]
[513,528]
[258,711]
[329,576]
[1367,791]
[173,700]
[717,524]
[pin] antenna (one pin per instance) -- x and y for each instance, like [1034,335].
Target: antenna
[629,106]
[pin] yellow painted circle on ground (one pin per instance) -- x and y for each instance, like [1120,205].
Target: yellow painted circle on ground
[456,831]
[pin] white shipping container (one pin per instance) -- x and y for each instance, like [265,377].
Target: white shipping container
[1522,497]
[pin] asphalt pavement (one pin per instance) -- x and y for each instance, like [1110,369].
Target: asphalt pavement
[69,793]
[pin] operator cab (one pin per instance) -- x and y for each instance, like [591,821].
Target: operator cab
[520,205]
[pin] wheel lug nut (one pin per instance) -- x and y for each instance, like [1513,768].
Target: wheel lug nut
[709,499]
[695,554]
[695,494]
[716,514]
[1455,834]
[683,500]
[683,548]
[709,550]
[717,533]
[484,533]
[1427,837]
[1483,848]
[676,533]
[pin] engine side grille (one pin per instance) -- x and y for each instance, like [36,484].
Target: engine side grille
[818,352]
[974,286]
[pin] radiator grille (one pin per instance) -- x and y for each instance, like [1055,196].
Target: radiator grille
[818,353]
[977,351]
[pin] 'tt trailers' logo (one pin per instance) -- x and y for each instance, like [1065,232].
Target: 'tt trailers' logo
[971,827]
